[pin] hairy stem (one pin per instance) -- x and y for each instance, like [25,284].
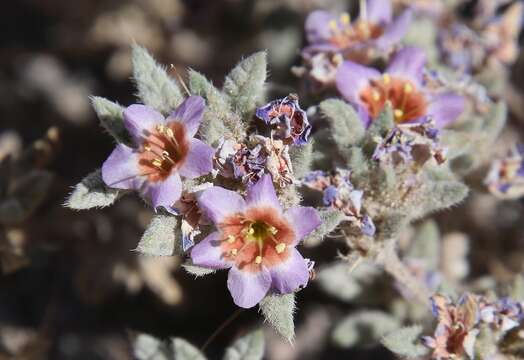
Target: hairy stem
[398,270]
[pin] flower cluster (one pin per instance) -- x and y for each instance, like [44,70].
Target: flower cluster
[506,177]
[460,324]
[339,193]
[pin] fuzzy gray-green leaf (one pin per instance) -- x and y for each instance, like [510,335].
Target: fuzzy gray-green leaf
[155,87]
[111,118]
[405,342]
[92,192]
[183,350]
[330,220]
[244,85]
[426,244]
[363,328]
[198,271]
[345,122]
[278,310]
[301,158]
[248,347]
[441,195]
[161,237]
[219,121]
[146,347]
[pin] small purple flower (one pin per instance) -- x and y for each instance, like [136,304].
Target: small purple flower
[375,32]
[289,121]
[339,193]
[164,150]
[411,143]
[402,86]
[256,240]
[506,177]
[504,314]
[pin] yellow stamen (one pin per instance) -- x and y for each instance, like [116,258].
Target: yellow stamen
[333,25]
[157,163]
[376,95]
[273,230]
[345,19]
[408,88]
[160,128]
[258,260]
[251,231]
[386,78]
[398,113]
[234,252]
[231,239]
[337,59]
[280,248]
[147,148]
[170,132]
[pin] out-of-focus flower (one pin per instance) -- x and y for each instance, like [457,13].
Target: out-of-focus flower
[411,143]
[256,240]
[266,156]
[339,193]
[164,149]
[455,334]
[192,218]
[492,39]
[401,85]
[288,121]
[430,8]
[333,38]
[506,177]
[504,314]
[375,32]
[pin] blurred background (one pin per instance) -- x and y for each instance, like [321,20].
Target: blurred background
[71,286]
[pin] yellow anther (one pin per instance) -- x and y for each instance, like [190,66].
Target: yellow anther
[333,25]
[231,239]
[234,252]
[258,260]
[170,132]
[398,113]
[408,88]
[376,95]
[160,128]
[337,59]
[165,154]
[251,231]
[280,248]
[157,162]
[386,78]
[345,19]
[147,148]
[273,230]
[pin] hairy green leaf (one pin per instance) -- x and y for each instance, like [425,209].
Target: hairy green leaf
[146,347]
[248,347]
[161,238]
[330,220]
[185,351]
[244,85]
[347,127]
[405,342]
[278,311]
[155,87]
[111,118]
[92,192]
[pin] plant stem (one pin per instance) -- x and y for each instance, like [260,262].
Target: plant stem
[228,321]
[398,270]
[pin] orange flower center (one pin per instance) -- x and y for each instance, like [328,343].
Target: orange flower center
[408,103]
[163,151]
[258,237]
[345,34]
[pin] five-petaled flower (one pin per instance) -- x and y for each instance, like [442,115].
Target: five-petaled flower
[288,120]
[373,33]
[256,239]
[164,150]
[402,86]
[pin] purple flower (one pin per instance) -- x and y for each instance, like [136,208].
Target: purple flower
[256,240]
[373,33]
[411,143]
[339,193]
[401,85]
[289,121]
[163,151]
[504,314]
[506,177]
